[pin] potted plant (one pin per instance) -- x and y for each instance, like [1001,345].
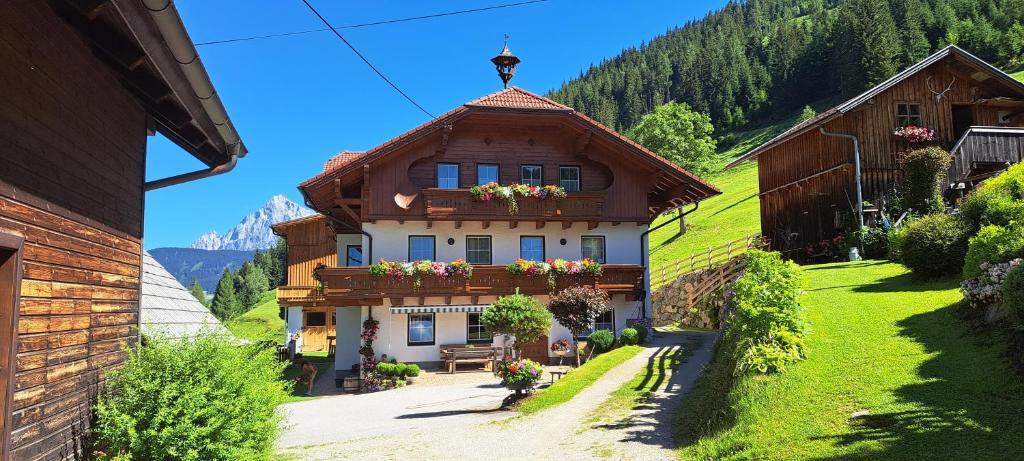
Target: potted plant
[560,348]
[519,375]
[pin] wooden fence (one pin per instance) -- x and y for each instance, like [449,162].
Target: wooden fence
[699,262]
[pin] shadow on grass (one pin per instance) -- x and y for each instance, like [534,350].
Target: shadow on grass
[967,407]
[906,282]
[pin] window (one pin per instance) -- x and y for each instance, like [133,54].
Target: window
[316,319]
[353,255]
[478,249]
[421,247]
[605,321]
[421,329]
[593,248]
[486,172]
[476,332]
[908,114]
[531,248]
[532,175]
[569,178]
[448,175]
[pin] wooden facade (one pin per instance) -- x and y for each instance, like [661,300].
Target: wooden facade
[72,178]
[806,178]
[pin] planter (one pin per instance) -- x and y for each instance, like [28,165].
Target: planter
[351,384]
[518,387]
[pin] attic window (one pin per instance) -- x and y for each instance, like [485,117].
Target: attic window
[908,114]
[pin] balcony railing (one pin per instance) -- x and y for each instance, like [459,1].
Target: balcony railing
[299,295]
[355,285]
[459,204]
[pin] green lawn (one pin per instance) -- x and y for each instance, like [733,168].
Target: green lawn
[879,342]
[575,381]
[1018,75]
[262,323]
[324,365]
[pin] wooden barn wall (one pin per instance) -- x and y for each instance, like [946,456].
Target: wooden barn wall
[310,243]
[509,147]
[73,147]
[873,124]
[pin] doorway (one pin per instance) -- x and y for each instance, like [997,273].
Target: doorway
[10,283]
[963,119]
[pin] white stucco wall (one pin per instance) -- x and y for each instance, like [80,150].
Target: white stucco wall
[348,326]
[391,239]
[293,322]
[343,241]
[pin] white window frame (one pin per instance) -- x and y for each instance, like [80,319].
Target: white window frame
[531,181]
[470,251]
[409,328]
[444,181]
[543,245]
[570,185]
[497,173]
[604,248]
[904,117]
[433,247]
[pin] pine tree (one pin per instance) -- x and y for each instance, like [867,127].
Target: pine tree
[807,113]
[250,283]
[197,291]
[225,303]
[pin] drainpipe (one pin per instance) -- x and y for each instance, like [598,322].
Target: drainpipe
[643,254]
[369,238]
[856,171]
[195,175]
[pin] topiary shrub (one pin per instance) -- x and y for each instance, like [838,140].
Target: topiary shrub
[922,184]
[601,341]
[934,245]
[629,337]
[520,316]
[993,244]
[411,370]
[193,399]
[1013,294]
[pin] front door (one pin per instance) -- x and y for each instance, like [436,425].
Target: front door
[10,279]
[963,118]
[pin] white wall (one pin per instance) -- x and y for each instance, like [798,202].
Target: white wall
[343,241]
[348,327]
[391,239]
[294,326]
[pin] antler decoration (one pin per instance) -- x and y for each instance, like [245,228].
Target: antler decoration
[939,94]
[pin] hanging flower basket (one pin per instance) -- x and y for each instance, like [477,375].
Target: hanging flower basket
[493,190]
[915,134]
[397,271]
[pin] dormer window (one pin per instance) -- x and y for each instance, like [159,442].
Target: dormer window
[532,175]
[447,175]
[908,114]
[569,178]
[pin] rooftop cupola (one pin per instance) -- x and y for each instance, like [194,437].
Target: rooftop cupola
[505,62]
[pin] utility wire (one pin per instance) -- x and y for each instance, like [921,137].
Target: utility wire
[354,50]
[366,24]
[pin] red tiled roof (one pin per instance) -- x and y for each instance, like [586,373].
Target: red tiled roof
[341,159]
[518,98]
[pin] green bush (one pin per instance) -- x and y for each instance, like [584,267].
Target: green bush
[872,242]
[997,201]
[1013,294]
[390,370]
[520,316]
[601,341]
[934,245]
[993,244]
[895,237]
[642,333]
[411,370]
[767,325]
[195,399]
[629,337]
[922,184]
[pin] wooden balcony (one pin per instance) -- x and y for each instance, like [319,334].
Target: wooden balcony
[984,151]
[355,286]
[293,295]
[458,204]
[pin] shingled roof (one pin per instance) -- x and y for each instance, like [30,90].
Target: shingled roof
[342,159]
[168,309]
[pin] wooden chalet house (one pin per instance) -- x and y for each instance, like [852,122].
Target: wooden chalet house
[807,175]
[82,84]
[409,199]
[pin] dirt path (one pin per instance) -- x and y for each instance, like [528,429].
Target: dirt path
[557,434]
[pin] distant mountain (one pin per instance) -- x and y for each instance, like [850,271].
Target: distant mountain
[204,265]
[253,232]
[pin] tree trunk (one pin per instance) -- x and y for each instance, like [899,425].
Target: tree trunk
[682,222]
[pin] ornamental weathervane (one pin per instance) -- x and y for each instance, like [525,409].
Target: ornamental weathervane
[506,63]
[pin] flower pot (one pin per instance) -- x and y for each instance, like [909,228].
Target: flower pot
[518,387]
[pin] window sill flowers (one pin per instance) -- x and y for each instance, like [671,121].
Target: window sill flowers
[553,268]
[915,134]
[398,271]
[493,190]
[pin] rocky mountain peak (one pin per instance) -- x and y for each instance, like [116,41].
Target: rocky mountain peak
[253,232]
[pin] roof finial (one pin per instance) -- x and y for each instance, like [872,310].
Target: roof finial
[505,62]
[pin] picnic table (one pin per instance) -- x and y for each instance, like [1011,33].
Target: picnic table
[452,354]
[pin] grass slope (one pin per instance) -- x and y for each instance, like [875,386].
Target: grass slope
[1018,75]
[566,388]
[880,342]
[262,323]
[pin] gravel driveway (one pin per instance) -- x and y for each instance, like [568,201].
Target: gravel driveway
[463,420]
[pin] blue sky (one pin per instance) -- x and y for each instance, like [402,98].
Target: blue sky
[298,100]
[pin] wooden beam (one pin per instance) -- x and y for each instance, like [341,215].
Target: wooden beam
[397,301]
[458,224]
[591,225]
[566,224]
[841,166]
[513,224]
[616,223]
[445,134]
[475,299]
[448,300]
[421,300]
[486,224]
[348,211]
[541,223]
[430,224]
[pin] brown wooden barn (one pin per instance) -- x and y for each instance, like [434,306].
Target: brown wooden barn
[807,174]
[83,84]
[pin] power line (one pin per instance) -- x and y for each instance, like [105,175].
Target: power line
[354,50]
[366,24]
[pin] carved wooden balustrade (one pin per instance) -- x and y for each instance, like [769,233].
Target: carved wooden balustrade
[355,286]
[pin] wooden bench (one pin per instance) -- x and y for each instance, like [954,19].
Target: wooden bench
[452,354]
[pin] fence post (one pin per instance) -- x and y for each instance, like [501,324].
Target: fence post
[710,250]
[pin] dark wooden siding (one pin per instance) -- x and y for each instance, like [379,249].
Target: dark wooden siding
[989,146]
[73,146]
[796,198]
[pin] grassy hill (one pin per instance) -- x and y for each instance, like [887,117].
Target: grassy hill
[879,342]
[1019,75]
[262,323]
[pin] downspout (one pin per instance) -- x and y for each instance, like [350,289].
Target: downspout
[856,171]
[643,253]
[369,238]
[195,175]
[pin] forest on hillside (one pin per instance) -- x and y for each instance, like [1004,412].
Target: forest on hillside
[754,61]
